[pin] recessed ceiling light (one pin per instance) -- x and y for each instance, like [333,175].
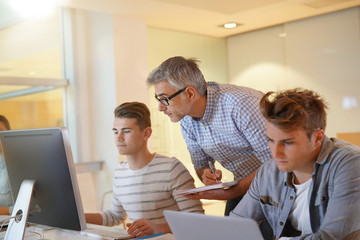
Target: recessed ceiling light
[230,25]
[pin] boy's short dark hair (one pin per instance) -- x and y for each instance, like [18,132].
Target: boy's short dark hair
[295,108]
[136,110]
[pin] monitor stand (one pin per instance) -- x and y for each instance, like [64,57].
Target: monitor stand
[17,224]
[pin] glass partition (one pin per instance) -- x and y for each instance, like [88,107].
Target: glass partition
[37,110]
[31,84]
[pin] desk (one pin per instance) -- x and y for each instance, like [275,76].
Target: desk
[49,233]
[37,232]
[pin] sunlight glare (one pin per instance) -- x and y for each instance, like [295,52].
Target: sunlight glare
[34,8]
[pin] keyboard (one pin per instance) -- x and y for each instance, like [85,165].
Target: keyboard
[4,220]
[104,232]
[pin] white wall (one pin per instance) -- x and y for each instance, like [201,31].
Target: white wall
[210,51]
[107,65]
[320,53]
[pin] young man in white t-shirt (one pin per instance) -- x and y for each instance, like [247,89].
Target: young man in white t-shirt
[144,185]
[311,188]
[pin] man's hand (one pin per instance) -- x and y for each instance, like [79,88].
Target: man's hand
[208,178]
[143,227]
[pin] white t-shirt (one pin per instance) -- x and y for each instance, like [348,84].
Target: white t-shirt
[299,215]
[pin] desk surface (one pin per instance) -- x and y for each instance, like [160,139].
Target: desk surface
[37,232]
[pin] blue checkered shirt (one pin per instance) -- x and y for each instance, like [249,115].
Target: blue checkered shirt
[232,130]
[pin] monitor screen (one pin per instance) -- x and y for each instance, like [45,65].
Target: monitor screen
[44,155]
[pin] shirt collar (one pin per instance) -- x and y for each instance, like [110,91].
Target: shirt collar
[211,96]
[326,147]
[289,179]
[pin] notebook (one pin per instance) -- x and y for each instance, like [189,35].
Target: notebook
[224,185]
[186,226]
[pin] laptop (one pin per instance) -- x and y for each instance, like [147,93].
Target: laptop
[196,226]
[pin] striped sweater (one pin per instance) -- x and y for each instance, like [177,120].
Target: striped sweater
[147,192]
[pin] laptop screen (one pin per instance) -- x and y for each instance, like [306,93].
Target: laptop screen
[185,226]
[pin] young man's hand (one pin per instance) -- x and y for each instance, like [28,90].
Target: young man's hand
[143,227]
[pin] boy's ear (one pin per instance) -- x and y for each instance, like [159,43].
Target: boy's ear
[147,133]
[319,137]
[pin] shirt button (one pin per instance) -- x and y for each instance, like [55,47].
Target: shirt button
[281,223]
[291,197]
[323,198]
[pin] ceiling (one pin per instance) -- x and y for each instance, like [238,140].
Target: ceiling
[206,16]
[203,17]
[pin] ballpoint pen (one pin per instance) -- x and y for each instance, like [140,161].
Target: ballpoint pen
[212,168]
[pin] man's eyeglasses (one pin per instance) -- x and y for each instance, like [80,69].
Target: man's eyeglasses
[165,100]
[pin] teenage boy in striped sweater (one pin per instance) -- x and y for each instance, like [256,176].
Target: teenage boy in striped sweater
[144,185]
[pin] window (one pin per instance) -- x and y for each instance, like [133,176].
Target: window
[31,84]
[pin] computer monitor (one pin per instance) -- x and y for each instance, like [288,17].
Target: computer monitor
[44,155]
